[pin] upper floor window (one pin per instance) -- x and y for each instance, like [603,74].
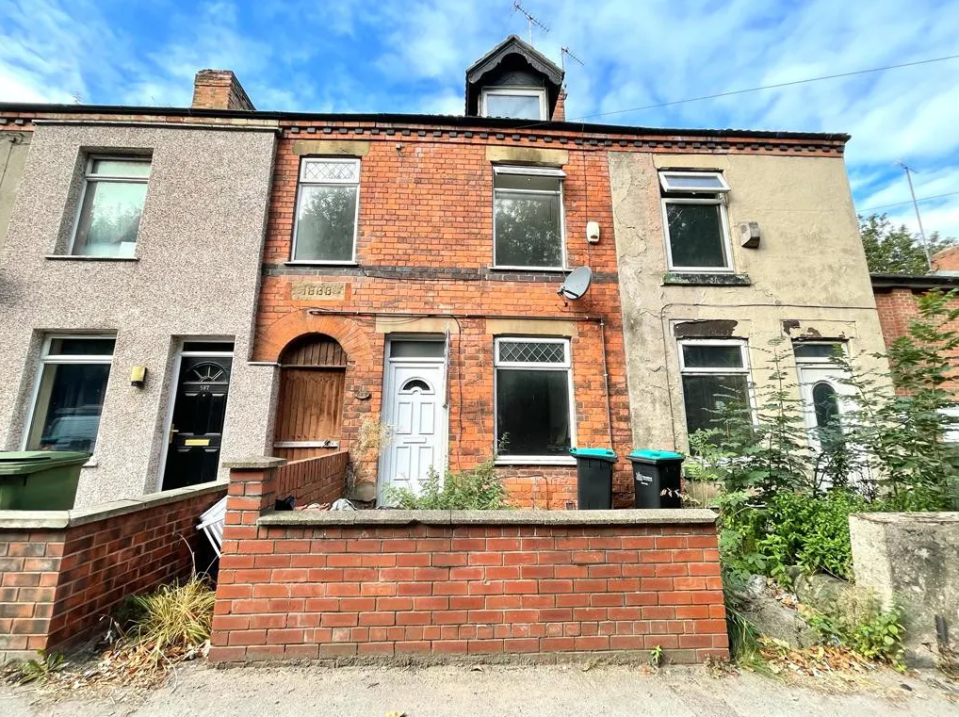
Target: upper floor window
[327,204]
[514,103]
[69,393]
[694,214]
[114,191]
[528,218]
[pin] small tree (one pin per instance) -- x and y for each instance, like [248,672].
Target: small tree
[762,451]
[895,250]
[902,435]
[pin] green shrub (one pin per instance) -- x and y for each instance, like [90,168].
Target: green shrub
[792,529]
[476,489]
[811,532]
[861,624]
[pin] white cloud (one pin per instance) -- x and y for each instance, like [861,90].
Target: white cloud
[410,56]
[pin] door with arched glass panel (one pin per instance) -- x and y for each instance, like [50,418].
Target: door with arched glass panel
[414,399]
[826,397]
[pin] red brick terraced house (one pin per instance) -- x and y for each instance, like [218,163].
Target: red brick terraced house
[181,288]
[407,304]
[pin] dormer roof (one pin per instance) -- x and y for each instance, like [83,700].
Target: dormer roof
[510,59]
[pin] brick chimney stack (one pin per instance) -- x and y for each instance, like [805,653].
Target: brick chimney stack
[559,111]
[219,90]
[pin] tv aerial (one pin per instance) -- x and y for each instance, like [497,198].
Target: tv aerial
[530,20]
[576,284]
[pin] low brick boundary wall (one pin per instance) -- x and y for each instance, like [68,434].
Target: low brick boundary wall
[62,571]
[314,480]
[374,585]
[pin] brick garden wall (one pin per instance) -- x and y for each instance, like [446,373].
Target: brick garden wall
[381,584]
[64,571]
[314,480]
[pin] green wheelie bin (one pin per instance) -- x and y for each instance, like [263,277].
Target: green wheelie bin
[39,480]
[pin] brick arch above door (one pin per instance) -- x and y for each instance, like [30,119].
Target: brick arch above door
[273,339]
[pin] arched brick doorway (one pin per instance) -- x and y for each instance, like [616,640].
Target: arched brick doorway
[309,412]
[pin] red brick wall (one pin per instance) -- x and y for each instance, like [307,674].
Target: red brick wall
[426,209]
[314,480]
[386,589]
[58,583]
[29,568]
[898,307]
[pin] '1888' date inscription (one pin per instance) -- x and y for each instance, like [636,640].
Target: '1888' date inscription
[318,291]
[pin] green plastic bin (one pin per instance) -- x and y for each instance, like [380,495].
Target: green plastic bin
[40,480]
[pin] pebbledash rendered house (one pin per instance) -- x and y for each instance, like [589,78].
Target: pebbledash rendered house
[184,287]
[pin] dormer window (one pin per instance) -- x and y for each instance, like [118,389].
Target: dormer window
[514,80]
[514,103]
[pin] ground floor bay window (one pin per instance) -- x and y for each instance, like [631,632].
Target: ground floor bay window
[714,373]
[534,413]
[69,393]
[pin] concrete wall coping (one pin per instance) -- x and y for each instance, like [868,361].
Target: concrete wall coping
[254,463]
[943,517]
[60,519]
[490,517]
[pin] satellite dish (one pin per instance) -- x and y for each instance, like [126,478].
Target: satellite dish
[576,284]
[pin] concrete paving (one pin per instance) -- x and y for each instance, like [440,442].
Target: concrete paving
[498,691]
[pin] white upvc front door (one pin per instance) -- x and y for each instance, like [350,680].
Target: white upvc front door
[413,408]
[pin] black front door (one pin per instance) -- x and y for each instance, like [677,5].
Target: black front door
[197,429]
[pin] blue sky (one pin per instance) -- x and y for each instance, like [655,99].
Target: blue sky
[410,55]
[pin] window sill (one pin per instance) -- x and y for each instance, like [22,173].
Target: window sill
[81,257]
[531,269]
[535,461]
[318,262]
[306,444]
[679,278]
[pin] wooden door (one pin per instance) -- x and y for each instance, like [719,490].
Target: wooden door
[309,414]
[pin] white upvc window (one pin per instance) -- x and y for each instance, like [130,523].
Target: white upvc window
[695,221]
[827,353]
[327,211]
[714,372]
[514,102]
[534,408]
[529,227]
[69,391]
[114,191]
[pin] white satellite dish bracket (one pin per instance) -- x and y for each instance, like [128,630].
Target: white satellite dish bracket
[576,284]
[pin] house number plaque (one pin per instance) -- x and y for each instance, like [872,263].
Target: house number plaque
[318,291]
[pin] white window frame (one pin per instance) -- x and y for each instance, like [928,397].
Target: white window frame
[819,360]
[566,365]
[667,185]
[520,91]
[89,177]
[46,358]
[534,172]
[301,182]
[721,371]
[711,197]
